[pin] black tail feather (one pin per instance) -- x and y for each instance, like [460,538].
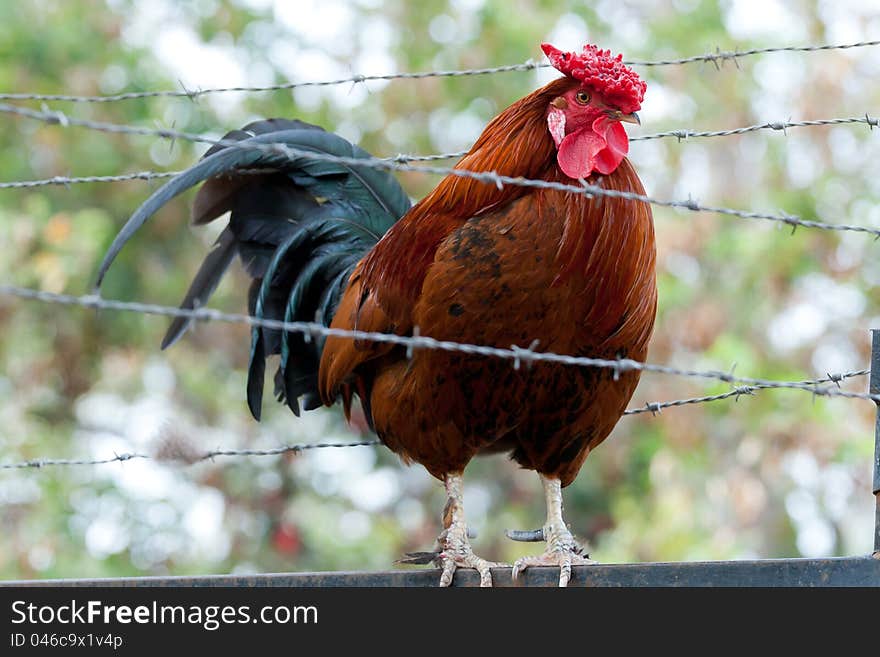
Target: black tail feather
[299,228]
[205,282]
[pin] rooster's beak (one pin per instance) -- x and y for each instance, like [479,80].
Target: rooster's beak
[628,118]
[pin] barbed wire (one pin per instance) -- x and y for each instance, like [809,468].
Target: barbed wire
[189,459]
[736,55]
[400,162]
[681,134]
[285,151]
[780,126]
[156,175]
[192,94]
[656,407]
[185,459]
[66,181]
[519,356]
[717,58]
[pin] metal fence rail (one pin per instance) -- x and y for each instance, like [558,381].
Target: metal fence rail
[874,386]
[840,571]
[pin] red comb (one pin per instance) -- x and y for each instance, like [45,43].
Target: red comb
[619,84]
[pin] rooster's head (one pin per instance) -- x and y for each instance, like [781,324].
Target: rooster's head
[585,121]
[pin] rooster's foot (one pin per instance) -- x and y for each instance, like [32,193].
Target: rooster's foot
[562,550]
[457,554]
[455,548]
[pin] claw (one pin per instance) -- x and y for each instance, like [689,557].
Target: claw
[563,558]
[467,560]
[449,571]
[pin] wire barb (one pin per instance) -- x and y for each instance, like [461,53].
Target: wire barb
[411,346]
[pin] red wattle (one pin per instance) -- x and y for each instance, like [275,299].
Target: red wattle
[600,147]
[610,157]
[577,153]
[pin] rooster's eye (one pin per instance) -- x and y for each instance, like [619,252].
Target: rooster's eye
[582,97]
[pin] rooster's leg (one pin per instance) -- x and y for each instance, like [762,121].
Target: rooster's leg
[562,550]
[455,548]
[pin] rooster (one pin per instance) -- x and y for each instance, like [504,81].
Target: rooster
[472,263]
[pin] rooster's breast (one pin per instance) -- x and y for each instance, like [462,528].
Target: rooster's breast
[499,280]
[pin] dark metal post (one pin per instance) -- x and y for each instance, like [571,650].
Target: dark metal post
[875,390]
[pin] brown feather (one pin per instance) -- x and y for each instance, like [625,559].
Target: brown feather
[515,143]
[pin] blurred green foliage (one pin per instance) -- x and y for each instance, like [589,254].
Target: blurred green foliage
[770,475]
